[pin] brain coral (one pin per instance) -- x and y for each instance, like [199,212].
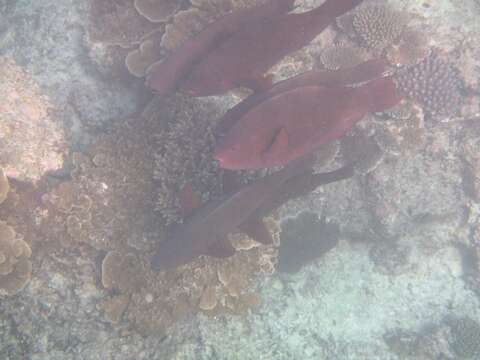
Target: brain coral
[434,83]
[378,26]
[15,266]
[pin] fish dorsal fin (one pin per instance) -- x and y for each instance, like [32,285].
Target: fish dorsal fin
[256,229]
[222,248]
[278,144]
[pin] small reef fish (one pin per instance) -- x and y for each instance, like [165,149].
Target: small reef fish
[294,123]
[228,55]
[205,231]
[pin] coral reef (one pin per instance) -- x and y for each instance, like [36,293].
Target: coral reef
[434,83]
[412,48]
[341,56]
[157,10]
[115,22]
[466,337]
[184,153]
[4,186]
[390,257]
[15,266]
[137,61]
[31,142]
[363,151]
[378,26]
[304,239]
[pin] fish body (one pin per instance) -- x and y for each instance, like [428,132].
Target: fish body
[205,231]
[294,123]
[238,49]
[166,75]
[365,71]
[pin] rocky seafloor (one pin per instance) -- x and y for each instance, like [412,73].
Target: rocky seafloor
[92,163]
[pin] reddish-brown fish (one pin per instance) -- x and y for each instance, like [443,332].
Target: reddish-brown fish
[365,71]
[242,56]
[294,123]
[205,231]
[166,75]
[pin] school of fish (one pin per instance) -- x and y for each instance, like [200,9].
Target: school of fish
[279,124]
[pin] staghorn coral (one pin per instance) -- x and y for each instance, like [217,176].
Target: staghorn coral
[341,56]
[31,142]
[184,155]
[157,10]
[434,83]
[378,26]
[117,22]
[15,266]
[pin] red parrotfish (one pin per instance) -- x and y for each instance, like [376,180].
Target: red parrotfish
[294,123]
[365,71]
[166,75]
[243,56]
[205,231]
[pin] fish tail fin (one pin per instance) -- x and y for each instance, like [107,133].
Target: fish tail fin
[381,94]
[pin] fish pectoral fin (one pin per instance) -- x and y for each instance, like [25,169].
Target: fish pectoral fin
[256,229]
[221,249]
[278,144]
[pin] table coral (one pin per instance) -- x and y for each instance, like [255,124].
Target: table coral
[31,142]
[115,22]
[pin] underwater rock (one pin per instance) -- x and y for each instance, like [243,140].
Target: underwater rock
[31,142]
[466,337]
[157,10]
[390,257]
[122,271]
[434,83]
[15,266]
[4,186]
[304,239]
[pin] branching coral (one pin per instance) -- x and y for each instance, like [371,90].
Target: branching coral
[15,266]
[412,48]
[378,26]
[31,143]
[434,83]
[184,155]
[341,56]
